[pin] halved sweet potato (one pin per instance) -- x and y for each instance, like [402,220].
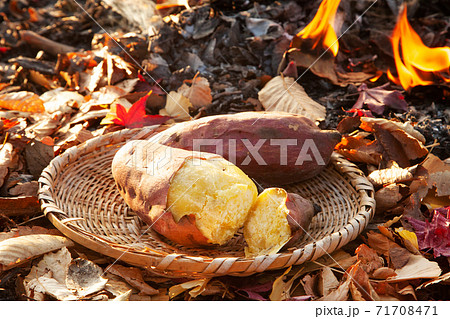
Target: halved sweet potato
[191,198]
[277,219]
[274,148]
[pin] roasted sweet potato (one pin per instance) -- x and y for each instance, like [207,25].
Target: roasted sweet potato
[277,219]
[273,148]
[191,198]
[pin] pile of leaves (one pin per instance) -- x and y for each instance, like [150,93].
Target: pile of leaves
[64,80]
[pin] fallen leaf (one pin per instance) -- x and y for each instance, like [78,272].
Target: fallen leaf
[133,276]
[177,106]
[20,206]
[102,98]
[387,197]
[434,234]
[327,281]
[408,290]
[438,174]
[84,277]
[359,149]
[280,288]
[394,174]
[47,285]
[260,27]
[136,116]
[409,236]
[61,100]
[196,287]
[368,258]
[443,278]
[378,98]
[57,262]
[15,251]
[325,67]
[253,291]
[384,273]
[8,159]
[116,285]
[198,93]
[25,189]
[399,256]
[418,267]
[284,94]
[339,294]
[22,101]
[38,155]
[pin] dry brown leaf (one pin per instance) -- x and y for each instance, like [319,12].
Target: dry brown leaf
[387,197]
[439,174]
[14,251]
[399,256]
[25,189]
[177,106]
[198,93]
[19,206]
[26,230]
[103,97]
[327,281]
[133,276]
[400,141]
[418,267]
[340,294]
[392,126]
[394,174]
[361,280]
[384,273]
[47,285]
[22,101]
[368,258]
[284,94]
[52,266]
[359,149]
[196,287]
[443,278]
[408,290]
[280,288]
[356,294]
[61,100]
[8,158]
[57,263]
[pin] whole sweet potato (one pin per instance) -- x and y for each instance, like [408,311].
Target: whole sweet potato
[191,198]
[277,219]
[274,148]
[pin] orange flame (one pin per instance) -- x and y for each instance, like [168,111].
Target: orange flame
[320,29]
[418,64]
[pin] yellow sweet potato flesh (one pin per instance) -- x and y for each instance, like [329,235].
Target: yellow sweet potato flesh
[267,229]
[216,192]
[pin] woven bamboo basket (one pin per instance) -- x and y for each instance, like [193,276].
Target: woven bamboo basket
[78,194]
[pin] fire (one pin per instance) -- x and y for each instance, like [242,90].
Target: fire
[417,64]
[320,29]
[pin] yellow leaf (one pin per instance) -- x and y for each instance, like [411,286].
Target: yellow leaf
[408,235]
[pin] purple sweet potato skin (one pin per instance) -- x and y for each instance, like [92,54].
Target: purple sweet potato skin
[234,133]
[301,212]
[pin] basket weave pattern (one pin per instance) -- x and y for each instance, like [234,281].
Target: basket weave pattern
[79,196]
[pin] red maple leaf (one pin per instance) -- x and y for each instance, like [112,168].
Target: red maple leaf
[136,116]
[434,234]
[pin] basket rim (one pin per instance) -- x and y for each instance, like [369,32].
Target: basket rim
[183,265]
